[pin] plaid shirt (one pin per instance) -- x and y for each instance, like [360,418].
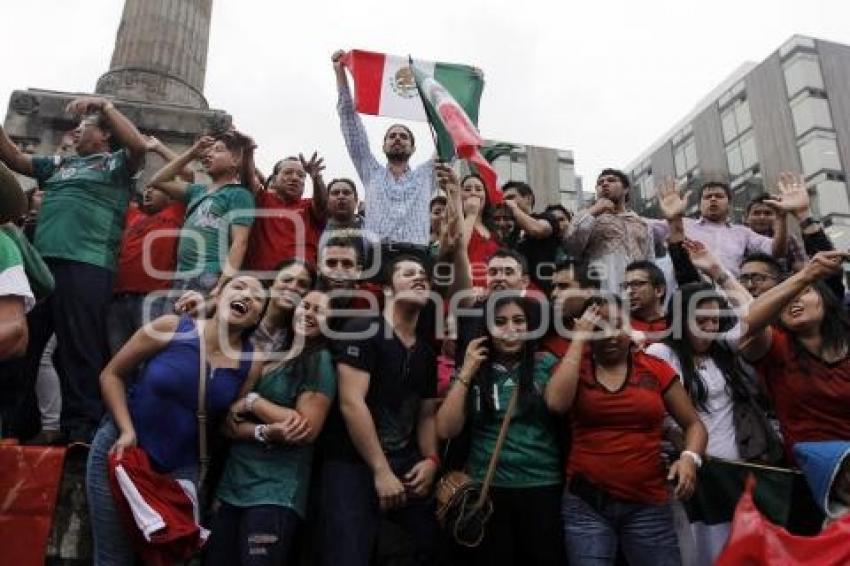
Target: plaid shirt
[396,209]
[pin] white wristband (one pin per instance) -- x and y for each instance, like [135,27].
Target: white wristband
[250,399]
[694,456]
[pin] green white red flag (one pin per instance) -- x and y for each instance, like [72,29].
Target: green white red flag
[446,115]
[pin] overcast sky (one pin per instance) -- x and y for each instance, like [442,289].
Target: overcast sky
[604,79]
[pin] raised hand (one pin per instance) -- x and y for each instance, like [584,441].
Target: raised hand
[476,354]
[471,206]
[86,105]
[824,264]
[702,259]
[314,166]
[670,200]
[152,143]
[200,147]
[587,323]
[446,177]
[793,196]
[336,58]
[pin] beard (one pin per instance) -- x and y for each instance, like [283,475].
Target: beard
[397,154]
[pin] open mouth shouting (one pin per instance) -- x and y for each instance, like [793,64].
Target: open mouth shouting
[239,307]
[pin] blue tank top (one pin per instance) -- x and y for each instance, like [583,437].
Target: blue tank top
[163,401]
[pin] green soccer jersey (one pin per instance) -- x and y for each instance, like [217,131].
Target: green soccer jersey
[530,455]
[278,474]
[205,239]
[13,279]
[84,203]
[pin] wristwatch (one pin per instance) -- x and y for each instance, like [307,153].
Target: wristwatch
[694,456]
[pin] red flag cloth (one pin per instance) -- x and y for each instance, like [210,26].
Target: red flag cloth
[755,540]
[159,504]
[29,484]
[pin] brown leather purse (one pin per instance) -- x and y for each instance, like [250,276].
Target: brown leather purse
[463,506]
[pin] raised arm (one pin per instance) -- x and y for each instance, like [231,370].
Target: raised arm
[453,237]
[535,228]
[153,145]
[765,310]
[560,392]
[353,131]
[165,178]
[314,168]
[705,261]
[452,414]
[353,386]
[16,159]
[124,131]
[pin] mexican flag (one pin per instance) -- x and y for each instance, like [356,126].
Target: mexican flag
[384,85]
[457,134]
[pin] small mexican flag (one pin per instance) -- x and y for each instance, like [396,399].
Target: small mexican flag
[456,133]
[384,85]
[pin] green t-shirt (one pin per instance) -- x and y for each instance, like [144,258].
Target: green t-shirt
[85,199]
[278,474]
[530,455]
[207,226]
[13,279]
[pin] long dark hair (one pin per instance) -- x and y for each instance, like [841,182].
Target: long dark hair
[306,363]
[834,328]
[681,314]
[527,356]
[487,207]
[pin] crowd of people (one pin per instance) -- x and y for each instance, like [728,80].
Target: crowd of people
[349,358]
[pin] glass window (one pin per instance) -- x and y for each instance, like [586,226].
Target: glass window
[566,180]
[734,159]
[679,160]
[730,127]
[832,197]
[736,120]
[818,153]
[802,70]
[648,187]
[810,112]
[691,154]
[749,155]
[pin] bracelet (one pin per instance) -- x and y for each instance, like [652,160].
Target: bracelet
[434,458]
[260,433]
[806,222]
[694,456]
[250,399]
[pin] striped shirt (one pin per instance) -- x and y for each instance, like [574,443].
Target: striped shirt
[396,209]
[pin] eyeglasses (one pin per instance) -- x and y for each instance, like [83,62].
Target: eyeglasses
[635,284]
[754,278]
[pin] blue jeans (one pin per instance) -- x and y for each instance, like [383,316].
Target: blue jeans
[112,543]
[252,536]
[644,532]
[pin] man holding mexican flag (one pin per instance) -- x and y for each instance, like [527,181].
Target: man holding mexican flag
[397,196]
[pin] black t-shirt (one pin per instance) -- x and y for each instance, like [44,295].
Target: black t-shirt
[399,379]
[541,253]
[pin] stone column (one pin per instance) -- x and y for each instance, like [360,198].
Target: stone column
[160,53]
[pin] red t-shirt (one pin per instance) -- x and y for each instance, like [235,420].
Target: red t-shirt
[479,250]
[556,344]
[616,436]
[282,230]
[811,397]
[132,276]
[655,330]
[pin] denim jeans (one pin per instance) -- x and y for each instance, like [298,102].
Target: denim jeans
[644,532]
[352,518]
[260,535]
[112,543]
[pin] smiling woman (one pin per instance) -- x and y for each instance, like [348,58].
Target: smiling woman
[159,415]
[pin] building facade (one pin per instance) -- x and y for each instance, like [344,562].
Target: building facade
[791,112]
[550,172]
